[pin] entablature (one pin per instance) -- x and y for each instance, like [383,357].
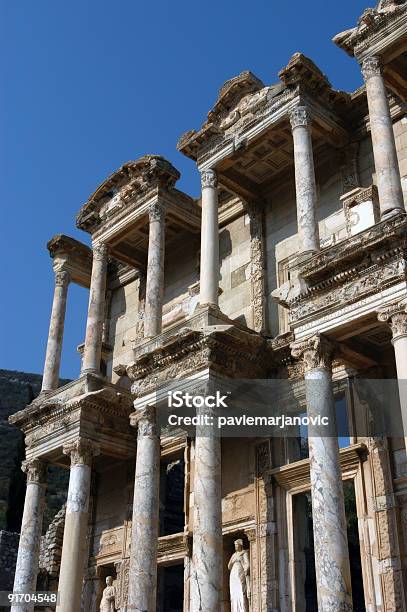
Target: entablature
[230,139]
[117,214]
[73,257]
[350,279]
[88,407]
[381,32]
[209,342]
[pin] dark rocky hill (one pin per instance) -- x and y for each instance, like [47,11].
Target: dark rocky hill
[17,389]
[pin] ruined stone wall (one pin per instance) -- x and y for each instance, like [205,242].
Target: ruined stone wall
[8,558]
[17,389]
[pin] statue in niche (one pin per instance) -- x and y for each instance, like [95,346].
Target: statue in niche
[239,580]
[109,596]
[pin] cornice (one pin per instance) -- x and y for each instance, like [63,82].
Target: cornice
[227,127]
[133,180]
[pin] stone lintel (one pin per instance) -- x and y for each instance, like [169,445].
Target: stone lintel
[233,126]
[74,411]
[378,31]
[71,256]
[295,475]
[123,199]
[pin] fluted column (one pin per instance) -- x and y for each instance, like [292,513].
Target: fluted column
[25,579]
[96,311]
[50,378]
[384,144]
[328,509]
[206,587]
[209,276]
[144,535]
[396,316]
[305,185]
[155,271]
[74,546]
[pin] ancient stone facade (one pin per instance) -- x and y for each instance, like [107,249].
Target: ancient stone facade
[291,269]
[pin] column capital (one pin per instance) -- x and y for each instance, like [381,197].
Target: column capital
[371,66]
[315,351]
[36,471]
[62,278]
[145,420]
[395,315]
[209,179]
[81,451]
[156,211]
[100,251]
[300,116]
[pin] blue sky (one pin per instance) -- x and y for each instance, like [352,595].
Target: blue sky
[90,84]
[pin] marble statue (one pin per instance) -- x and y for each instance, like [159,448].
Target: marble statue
[239,581]
[108,598]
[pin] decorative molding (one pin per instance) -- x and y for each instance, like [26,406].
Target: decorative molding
[300,116]
[209,179]
[156,211]
[257,266]
[81,451]
[371,66]
[395,315]
[296,475]
[316,352]
[145,420]
[100,252]
[62,278]
[263,458]
[231,353]
[360,284]
[36,471]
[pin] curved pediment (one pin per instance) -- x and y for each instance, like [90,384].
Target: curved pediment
[232,92]
[132,179]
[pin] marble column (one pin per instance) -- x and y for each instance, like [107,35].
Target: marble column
[144,535]
[155,271]
[74,545]
[25,579]
[328,510]
[384,144]
[207,572]
[96,311]
[209,274]
[305,185]
[395,315]
[50,378]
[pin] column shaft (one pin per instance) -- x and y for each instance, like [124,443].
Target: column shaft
[209,275]
[328,509]
[396,316]
[384,144]
[96,312]
[74,544]
[25,579]
[305,185]
[56,330]
[155,271]
[206,587]
[144,537]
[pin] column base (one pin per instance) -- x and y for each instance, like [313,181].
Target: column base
[393,212]
[93,371]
